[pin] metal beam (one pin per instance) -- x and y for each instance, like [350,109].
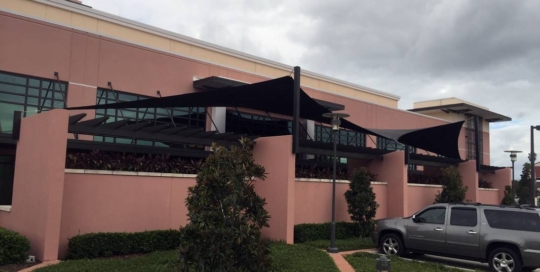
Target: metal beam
[296,110]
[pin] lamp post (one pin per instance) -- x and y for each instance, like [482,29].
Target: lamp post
[513,158]
[533,158]
[335,128]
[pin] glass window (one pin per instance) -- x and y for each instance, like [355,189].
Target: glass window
[105,96]
[23,93]
[12,79]
[463,217]
[432,216]
[513,220]
[6,116]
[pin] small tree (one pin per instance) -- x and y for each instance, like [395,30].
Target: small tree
[361,200]
[508,198]
[226,215]
[453,190]
[523,188]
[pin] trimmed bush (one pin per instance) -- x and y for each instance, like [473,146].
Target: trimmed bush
[13,247]
[314,232]
[105,244]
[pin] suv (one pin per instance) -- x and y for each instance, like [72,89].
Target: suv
[506,237]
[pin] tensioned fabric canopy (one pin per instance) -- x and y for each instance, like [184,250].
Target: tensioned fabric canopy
[276,96]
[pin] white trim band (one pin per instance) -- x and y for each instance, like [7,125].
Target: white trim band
[128,173]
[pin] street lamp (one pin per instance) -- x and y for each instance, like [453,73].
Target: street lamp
[335,128]
[533,158]
[513,158]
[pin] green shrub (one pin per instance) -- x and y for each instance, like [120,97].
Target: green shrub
[361,200]
[105,244]
[314,232]
[226,215]
[13,247]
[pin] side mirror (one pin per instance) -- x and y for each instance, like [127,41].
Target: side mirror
[414,219]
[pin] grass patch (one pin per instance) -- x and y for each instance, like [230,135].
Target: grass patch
[365,262]
[289,258]
[286,258]
[343,244]
[163,261]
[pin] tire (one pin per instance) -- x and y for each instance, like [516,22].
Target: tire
[392,244]
[504,259]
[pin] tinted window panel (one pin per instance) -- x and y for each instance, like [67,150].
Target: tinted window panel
[432,216]
[463,217]
[511,220]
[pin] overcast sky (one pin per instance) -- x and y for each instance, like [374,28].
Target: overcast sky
[483,51]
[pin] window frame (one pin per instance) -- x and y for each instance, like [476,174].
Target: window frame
[429,209]
[466,209]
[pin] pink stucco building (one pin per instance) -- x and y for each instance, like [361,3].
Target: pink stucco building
[57,54]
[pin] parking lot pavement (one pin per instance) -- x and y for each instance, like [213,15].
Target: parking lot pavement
[472,265]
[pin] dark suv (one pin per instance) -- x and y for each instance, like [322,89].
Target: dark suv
[506,237]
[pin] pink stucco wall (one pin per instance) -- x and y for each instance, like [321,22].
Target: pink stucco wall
[313,202]
[392,169]
[489,197]
[39,182]
[469,177]
[421,196]
[115,203]
[499,180]
[275,154]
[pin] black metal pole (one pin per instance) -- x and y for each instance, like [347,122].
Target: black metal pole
[333,248]
[533,178]
[477,143]
[296,109]
[513,185]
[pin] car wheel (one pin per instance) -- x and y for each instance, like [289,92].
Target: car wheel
[504,259]
[392,244]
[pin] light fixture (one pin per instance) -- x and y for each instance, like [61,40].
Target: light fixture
[335,129]
[513,158]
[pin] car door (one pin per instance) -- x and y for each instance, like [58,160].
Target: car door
[463,232]
[427,230]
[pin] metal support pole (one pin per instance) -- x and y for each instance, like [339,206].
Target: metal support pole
[296,110]
[477,143]
[513,185]
[533,174]
[333,248]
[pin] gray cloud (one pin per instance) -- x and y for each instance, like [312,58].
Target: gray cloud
[483,51]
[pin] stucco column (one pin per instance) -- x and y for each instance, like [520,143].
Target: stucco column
[500,179]
[391,168]
[39,182]
[469,177]
[274,153]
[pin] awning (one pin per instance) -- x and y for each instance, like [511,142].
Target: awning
[276,96]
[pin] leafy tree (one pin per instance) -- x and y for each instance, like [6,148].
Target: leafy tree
[226,215]
[508,199]
[361,200]
[523,190]
[453,190]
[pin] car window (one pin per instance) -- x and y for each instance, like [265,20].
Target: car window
[432,216]
[513,220]
[463,217]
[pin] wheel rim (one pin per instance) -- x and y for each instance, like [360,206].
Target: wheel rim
[503,262]
[390,246]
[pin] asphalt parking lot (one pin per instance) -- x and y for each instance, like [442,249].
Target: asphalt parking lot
[464,264]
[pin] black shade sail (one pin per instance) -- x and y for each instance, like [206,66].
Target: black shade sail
[276,96]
